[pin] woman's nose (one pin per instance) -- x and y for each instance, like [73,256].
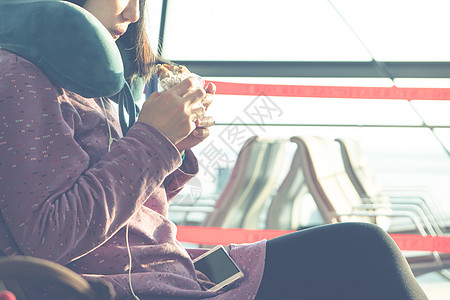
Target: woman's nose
[131,12]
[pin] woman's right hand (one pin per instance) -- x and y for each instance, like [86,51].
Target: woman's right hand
[174,111]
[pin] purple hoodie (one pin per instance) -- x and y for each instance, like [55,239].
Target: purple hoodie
[65,198]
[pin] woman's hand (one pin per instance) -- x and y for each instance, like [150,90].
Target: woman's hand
[173,112]
[201,131]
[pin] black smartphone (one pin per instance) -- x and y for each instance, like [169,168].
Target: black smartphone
[218,267]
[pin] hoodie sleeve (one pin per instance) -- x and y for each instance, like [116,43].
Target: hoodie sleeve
[175,182]
[54,204]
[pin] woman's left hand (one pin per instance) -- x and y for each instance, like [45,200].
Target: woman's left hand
[201,131]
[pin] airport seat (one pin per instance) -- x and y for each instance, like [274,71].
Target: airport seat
[19,273]
[325,177]
[365,182]
[292,207]
[250,185]
[243,199]
[336,197]
[327,183]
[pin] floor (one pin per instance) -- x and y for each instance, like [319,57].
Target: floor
[435,286]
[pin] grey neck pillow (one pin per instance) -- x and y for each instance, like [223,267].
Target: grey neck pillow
[70,46]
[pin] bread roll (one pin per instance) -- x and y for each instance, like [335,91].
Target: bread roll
[170,75]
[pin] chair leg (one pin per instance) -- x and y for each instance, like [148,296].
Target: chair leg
[445,273]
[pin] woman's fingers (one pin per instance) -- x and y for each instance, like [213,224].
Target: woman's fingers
[194,96]
[201,133]
[198,113]
[187,85]
[205,122]
[210,92]
[211,88]
[191,90]
[207,100]
[178,111]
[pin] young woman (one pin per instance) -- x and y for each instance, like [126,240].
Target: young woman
[71,196]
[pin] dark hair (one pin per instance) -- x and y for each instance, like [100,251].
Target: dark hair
[136,37]
[137,44]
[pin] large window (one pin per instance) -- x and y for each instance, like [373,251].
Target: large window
[397,135]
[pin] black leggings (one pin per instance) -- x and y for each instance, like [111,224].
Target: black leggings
[340,261]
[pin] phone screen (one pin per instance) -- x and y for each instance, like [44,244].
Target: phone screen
[217,266]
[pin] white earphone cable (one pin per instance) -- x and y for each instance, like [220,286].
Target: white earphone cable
[110,141]
[129,270]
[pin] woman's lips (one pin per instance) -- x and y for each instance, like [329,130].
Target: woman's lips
[117,33]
